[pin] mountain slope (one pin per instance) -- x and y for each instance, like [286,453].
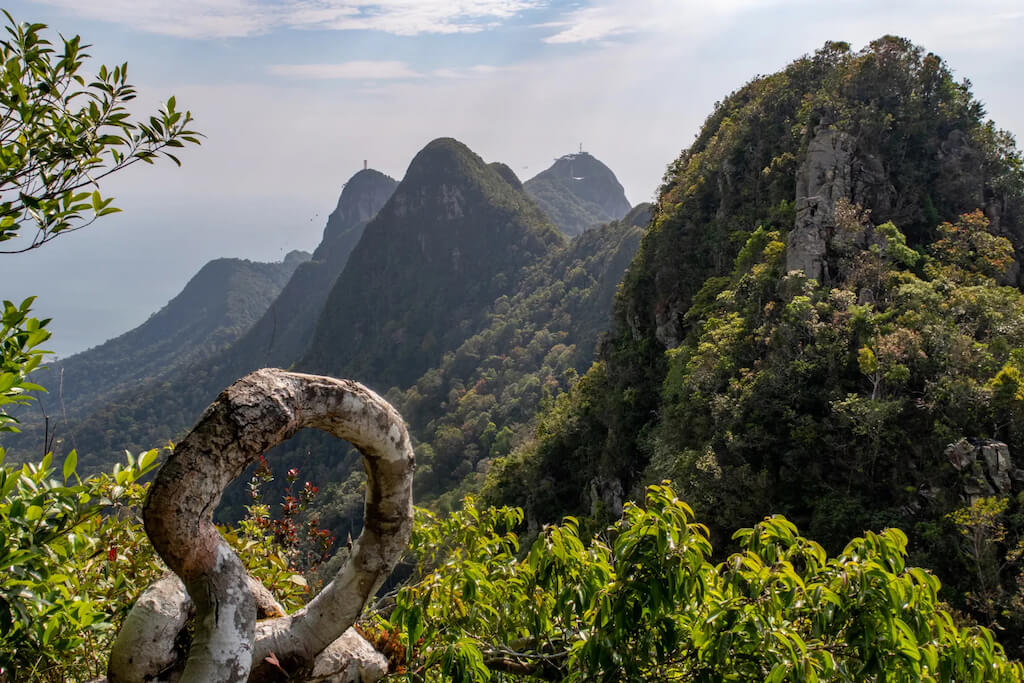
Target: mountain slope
[477,401]
[476,404]
[283,334]
[140,416]
[884,133]
[578,192]
[455,235]
[214,309]
[457,239]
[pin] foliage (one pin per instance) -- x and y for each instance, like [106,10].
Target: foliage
[988,555]
[60,136]
[20,337]
[968,253]
[858,387]
[293,541]
[642,601]
[73,556]
[830,404]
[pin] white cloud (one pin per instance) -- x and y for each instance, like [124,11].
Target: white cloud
[181,19]
[475,71]
[355,70]
[239,18]
[404,17]
[381,71]
[606,19]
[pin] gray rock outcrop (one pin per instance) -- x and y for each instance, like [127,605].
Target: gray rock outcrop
[824,177]
[985,467]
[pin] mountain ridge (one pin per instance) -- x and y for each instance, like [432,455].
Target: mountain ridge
[158,410]
[214,308]
[468,231]
[578,192]
[885,129]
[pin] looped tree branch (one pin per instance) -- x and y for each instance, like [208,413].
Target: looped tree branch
[249,418]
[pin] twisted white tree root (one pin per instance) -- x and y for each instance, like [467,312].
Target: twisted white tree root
[249,418]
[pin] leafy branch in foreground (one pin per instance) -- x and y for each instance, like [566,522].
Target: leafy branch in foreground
[641,601]
[73,556]
[60,135]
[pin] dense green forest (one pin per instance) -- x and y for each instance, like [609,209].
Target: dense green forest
[620,438]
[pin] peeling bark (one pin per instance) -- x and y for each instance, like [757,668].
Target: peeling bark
[146,644]
[249,418]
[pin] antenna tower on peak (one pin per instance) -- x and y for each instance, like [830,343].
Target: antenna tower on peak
[364,164]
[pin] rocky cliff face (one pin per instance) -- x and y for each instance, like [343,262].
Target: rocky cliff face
[825,176]
[578,192]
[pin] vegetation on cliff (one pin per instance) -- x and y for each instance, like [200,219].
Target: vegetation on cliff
[832,398]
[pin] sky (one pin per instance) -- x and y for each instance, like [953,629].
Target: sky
[293,95]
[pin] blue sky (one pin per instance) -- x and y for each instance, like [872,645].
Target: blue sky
[294,94]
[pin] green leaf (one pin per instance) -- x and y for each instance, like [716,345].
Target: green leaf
[70,463]
[8,480]
[148,458]
[778,673]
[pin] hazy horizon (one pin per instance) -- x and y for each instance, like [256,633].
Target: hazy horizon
[294,95]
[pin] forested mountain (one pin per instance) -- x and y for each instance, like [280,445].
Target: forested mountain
[217,306]
[578,192]
[283,334]
[480,400]
[455,236]
[814,324]
[134,414]
[458,255]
